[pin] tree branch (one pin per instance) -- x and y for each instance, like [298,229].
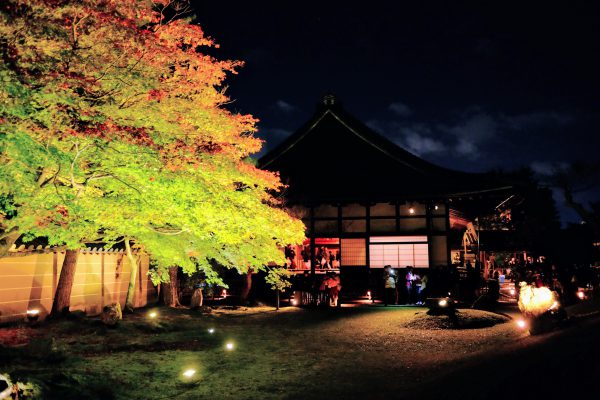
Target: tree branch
[9,232]
[169,233]
[74,184]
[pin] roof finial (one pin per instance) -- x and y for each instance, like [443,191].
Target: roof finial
[329,99]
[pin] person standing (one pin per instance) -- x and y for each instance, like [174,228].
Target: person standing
[416,288]
[390,292]
[423,290]
[323,256]
[410,280]
[334,287]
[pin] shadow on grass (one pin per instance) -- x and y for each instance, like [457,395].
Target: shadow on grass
[559,365]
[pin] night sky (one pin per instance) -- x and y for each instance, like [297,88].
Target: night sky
[472,87]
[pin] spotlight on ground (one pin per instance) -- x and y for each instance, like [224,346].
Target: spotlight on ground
[33,314]
[294,302]
[229,346]
[152,314]
[211,330]
[521,323]
[441,306]
[581,295]
[188,373]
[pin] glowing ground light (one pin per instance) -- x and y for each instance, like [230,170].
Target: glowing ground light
[224,293]
[521,323]
[211,330]
[369,295]
[33,314]
[535,301]
[411,210]
[443,303]
[294,302]
[229,346]
[153,314]
[188,373]
[512,292]
[435,207]
[581,295]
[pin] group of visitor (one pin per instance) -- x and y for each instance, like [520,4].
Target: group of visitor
[564,280]
[409,283]
[327,259]
[318,290]
[324,258]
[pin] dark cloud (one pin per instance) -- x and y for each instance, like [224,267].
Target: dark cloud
[421,145]
[285,106]
[474,135]
[536,119]
[548,169]
[400,109]
[416,138]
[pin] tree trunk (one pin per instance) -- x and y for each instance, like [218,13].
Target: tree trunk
[170,289]
[7,240]
[277,307]
[62,297]
[246,286]
[133,262]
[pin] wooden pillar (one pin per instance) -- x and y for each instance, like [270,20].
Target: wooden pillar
[312,241]
[339,221]
[102,278]
[447,233]
[429,230]
[368,236]
[54,273]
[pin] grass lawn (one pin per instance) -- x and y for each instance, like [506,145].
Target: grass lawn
[347,353]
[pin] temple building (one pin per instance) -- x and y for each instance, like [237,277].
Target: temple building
[367,203]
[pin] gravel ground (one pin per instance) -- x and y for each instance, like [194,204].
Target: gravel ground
[465,319]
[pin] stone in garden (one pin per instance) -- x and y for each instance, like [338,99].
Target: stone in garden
[205,309]
[5,387]
[196,301]
[112,314]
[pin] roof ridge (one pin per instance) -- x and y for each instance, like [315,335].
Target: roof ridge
[393,150]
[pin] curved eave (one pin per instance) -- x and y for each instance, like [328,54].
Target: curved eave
[369,137]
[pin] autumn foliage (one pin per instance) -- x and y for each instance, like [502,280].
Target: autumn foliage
[114,125]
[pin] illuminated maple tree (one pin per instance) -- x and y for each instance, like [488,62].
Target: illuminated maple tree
[114,126]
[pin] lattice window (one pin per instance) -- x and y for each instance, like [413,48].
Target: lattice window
[354,252]
[399,255]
